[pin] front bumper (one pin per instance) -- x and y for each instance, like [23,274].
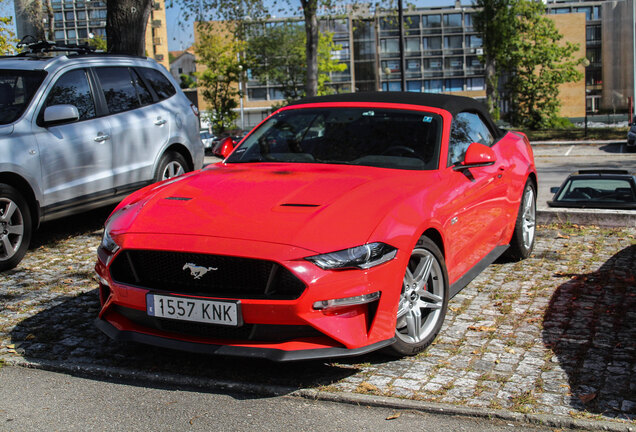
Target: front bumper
[273,354]
[300,331]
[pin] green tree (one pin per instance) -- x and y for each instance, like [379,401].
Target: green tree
[218,82]
[496,21]
[539,64]
[277,55]
[7,37]
[99,42]
[187,81]
[238,10]
[521,43]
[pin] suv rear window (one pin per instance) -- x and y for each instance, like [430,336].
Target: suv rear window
[162,86]
[17,88]
[119,91]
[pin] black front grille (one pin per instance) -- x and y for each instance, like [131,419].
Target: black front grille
[209,275]
[246,332]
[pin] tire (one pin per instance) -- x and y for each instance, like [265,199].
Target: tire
[423,300]
[172,164]
[524,235]
[15,227]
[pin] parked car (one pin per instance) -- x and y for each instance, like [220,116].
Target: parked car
[631,136]
[207,139]
[341,225]
[84,130]
[598,188]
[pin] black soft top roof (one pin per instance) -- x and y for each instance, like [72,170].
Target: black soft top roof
[450,103]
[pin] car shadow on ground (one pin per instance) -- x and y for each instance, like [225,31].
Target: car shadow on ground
[51,232]
[612,148]
[65,335]
[590,325]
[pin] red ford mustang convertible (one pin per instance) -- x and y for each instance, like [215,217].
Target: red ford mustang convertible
[340,225]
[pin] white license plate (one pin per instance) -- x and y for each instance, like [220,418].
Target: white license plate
[193,309]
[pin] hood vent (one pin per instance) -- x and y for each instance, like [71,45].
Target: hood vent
[299,205]
[174,198]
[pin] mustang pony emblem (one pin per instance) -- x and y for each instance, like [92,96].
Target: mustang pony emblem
[198,271]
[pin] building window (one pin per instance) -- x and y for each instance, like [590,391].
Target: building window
[257,93]
[453,20]
[433,63]
[454,62]
[414,86]
[475,84]
[390,46]
[275,94]
[586,10]
[452,42]
[392,86]
[391,66]
[431,23]
[433,86]
[412,24]
[473,41]
[412,46]
[560,10]
[593,33]
[432,43]
[454,85]
[468,21]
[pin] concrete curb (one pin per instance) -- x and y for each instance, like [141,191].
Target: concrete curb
[597,217]
[583,142]
[127,375]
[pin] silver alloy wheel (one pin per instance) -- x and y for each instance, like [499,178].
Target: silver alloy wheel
[173,169]
[528,217]
[11,228]
[422,297]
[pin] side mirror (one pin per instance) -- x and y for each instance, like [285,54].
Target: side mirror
[554,189]
[56,114]
[477,155]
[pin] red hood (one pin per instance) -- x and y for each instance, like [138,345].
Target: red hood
[317,207]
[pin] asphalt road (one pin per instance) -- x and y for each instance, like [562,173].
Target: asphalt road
[66,403]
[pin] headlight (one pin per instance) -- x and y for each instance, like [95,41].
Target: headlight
[362,257]
[108,243]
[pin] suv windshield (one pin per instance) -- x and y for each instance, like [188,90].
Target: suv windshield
[17,88]
[359,136]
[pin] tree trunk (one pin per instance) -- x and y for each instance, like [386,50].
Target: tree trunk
[311,29]
[492,84]
[50,17]
[126,22]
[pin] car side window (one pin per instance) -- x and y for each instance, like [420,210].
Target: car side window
[144,94]
[118,88]
[73,89]
[160,84]
[466,129]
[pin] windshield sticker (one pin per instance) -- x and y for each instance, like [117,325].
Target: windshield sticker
[427,119]
[369,113]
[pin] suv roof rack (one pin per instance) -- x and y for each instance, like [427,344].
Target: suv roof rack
[40,47]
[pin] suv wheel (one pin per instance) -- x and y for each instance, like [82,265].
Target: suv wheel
[15,227]
[172,164]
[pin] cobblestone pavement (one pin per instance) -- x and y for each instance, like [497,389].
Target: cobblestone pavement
[553,334]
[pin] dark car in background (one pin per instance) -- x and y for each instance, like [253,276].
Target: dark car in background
[603,189]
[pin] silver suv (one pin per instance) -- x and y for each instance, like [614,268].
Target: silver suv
[83,130]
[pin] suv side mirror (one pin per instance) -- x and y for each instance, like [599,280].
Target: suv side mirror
[477,155]
[56,114]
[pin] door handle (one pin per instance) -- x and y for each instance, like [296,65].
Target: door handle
[160,122]
[100,138]
[501,171]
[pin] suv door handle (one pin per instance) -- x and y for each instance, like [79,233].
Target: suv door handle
[101,137]
[160,122]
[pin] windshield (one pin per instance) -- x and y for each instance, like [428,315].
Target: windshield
[359,136]
[16,91]
[598,190]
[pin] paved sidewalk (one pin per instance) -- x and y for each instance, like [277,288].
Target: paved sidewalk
[554,334]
